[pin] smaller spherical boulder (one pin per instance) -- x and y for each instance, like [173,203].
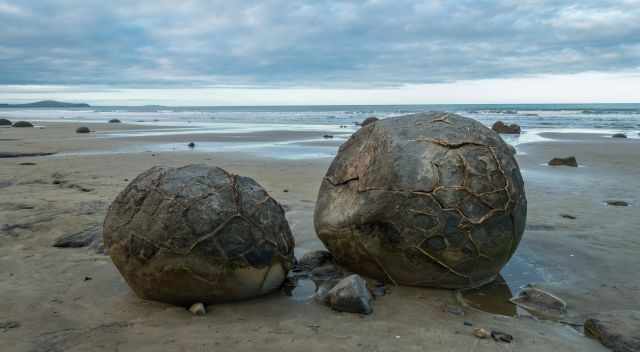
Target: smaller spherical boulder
[83,130]
[21,124]
[198,234]
[5,122]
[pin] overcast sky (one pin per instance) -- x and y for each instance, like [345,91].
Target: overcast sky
[320,52]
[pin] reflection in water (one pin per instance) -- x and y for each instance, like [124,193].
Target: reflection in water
[302,290]
[492,298]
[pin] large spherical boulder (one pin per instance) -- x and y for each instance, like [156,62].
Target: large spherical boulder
[427,200]
[5,122]
[198,234]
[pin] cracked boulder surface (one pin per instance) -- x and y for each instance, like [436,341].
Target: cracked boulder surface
[198,234]
[430,199]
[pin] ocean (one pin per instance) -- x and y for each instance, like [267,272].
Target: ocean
[534,119]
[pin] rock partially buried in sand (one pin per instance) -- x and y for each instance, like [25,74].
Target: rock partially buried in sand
[80,239]
[617,330]
[568,161]
[22,124]
[540,303]
[426,199]
[198,234]
[83,130]
[501,127]
[351,295]
[619,135]
[5,122]
[114,121]
[617,203]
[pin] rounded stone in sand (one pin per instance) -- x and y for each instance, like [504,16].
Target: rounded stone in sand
[427,200]
[198,234]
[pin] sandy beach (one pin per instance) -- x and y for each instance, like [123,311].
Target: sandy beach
[75,300]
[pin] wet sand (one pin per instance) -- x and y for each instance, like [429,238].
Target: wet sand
[75,300]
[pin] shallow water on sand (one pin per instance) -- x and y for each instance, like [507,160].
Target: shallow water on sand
[494,297]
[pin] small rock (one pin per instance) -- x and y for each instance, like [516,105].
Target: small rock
[198,309]
[619,135]
[499,336]
[617,330]
[501,127]
[481,333]
[285,190]
[351,295]
[467,323]
[369,120]
[23,124]
[114,121]
[314,259]
[540,303]
[617,203]
[8,325]
[327,136]
[83,129]
[79,239]
[28,164]
[455,310]
[88,278]
[5,122]
[568,161]
[568,216]
[191,145]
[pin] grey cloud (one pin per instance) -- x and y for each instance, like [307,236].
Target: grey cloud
[317,43]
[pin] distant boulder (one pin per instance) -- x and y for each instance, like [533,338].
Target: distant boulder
[23,124]
[369,120]
[501,127]
[191,145]
[83,129]
[619,135]
[5,122]
[568,161]
[114,121]
[327,136]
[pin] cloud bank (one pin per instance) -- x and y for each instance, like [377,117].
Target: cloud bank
[278,43]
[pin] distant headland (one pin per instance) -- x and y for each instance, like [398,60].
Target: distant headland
[46,104]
